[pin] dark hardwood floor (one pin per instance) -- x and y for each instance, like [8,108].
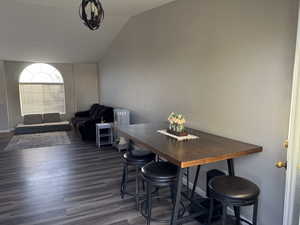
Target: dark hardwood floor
[72,184]
[4,139]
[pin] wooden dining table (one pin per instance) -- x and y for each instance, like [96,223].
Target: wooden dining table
[205,149]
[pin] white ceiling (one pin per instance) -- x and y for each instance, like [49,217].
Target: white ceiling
[51,30]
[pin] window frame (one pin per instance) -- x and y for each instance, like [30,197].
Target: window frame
[62,83]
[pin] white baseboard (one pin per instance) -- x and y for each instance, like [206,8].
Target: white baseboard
[6,131]
[201,192]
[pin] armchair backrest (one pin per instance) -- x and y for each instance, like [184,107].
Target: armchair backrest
[99,113]
[93,109]
[108,115]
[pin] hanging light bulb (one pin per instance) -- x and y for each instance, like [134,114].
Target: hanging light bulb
[92,13]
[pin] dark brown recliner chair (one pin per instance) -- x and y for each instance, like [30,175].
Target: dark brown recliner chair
[84,115]
[85,122]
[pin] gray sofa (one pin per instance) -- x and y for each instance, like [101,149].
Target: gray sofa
[39,123]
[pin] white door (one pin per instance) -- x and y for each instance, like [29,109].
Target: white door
[292,193]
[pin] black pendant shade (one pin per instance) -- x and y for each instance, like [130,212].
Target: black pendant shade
[92,13]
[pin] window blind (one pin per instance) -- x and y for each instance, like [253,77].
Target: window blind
[42,98]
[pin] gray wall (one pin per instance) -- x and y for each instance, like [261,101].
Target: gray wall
[226,65]
[86,85]
[3,100]
[81,87]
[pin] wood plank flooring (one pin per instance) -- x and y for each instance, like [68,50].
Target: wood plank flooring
[4,139]
[64,185]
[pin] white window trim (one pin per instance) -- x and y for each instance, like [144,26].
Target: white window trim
[61,82]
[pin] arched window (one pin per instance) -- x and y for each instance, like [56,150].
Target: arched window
[42,90]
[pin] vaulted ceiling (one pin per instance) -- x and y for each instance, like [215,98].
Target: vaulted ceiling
[51,30]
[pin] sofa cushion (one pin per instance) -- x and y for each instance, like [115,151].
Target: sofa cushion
[33,119]
[43,127]
[51,117]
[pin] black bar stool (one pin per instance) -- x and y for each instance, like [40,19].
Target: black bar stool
[158,174]
[137,159]
[235,192]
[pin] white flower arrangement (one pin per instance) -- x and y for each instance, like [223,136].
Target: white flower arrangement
[176,122]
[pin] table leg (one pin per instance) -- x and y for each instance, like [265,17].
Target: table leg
[188,181]
[230,165]
[195,182]
[130,145]
[178,197]
[137,188]
[231,172]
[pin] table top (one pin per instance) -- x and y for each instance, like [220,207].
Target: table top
[206,149]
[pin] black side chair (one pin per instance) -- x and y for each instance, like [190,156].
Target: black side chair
[235,192]
[158,174]
[137,159]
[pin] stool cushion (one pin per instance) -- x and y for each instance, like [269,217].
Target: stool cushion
[233,187]
[160,171]
[138,157]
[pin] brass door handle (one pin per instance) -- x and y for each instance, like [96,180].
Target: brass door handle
[281,164]
[286,144]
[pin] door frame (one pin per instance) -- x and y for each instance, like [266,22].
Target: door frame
[293,150]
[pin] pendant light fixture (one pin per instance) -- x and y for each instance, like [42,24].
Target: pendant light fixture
[92,14]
